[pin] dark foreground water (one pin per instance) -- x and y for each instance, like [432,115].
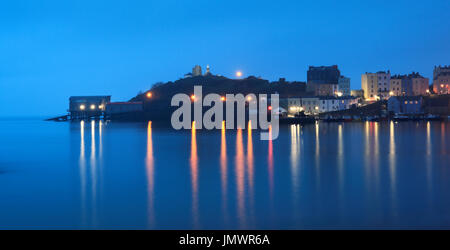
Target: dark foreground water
[139,176]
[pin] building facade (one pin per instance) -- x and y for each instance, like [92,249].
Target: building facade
[323,80]
[316,105]
[376,86]
[87,106]
[344,86]
[309,105]
[409,85]
[405,105]
[420,84]
[441,85]
[357,93]
[441,79]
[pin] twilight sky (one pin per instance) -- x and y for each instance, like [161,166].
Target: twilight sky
[52,49]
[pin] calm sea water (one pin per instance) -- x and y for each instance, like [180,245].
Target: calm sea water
[94,175]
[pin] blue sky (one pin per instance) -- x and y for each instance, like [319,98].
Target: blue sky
[50,50]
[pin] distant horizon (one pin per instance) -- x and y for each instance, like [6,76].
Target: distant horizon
[52,50]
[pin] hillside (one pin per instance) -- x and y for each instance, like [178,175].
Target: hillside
[222,85]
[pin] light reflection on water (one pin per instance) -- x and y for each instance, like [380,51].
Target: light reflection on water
[194,176]
[150,176]
[336,175]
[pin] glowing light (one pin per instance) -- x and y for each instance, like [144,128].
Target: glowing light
[82,107]
[391,93]
[222,98]
[249,98]
[238,73]
[316,108]
[442,85]
[270,108]
[428,91]
[193,97]
[92,106]
[100,106]
[149,94]
[339,94]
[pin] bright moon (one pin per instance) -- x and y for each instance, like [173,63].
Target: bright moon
[238,73]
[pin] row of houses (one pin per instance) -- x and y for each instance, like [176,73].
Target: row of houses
[382,85]
[317,104]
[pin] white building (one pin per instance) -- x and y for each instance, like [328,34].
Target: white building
[316,105]
[309,105]
[329,104]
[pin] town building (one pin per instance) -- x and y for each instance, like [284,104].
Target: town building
[197,70]
[405,105]
[441,80]
[87,106]
[409,85]
[308,105]
[420,84]
[329,104]
[438,70]
[376,86]
[343,86]
[359,93]
[323,80]
[441,85]
[400,85]
[316,105]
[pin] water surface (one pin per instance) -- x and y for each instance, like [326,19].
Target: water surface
[97,175]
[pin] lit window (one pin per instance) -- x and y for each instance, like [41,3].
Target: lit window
[92,106]
[82,107]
